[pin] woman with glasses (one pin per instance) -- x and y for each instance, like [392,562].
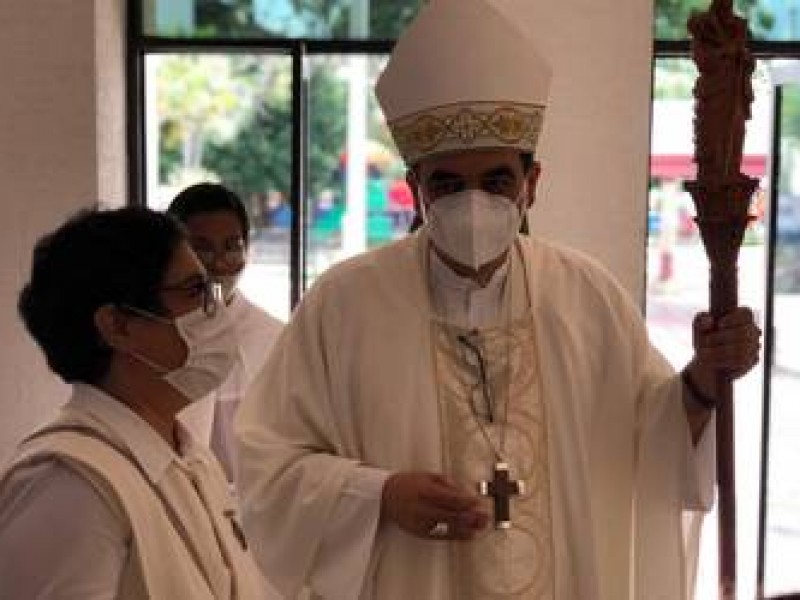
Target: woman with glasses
[219,231]
[114,498]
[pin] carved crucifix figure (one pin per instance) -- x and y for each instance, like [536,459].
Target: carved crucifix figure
[723,91]
[501,488]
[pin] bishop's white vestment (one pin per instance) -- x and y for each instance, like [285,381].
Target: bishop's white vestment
[369,379]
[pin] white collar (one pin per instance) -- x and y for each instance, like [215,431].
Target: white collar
[462,301]
[149,449]
[443,275]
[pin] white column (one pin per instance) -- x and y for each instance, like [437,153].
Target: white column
[57,155]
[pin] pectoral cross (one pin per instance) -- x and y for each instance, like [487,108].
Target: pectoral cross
[501,488]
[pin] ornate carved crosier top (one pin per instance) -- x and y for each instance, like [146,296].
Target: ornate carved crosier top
[723,91]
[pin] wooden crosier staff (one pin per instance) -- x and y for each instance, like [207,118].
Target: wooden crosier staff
[721,193]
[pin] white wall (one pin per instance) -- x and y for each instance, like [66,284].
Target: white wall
[595,144]
[61,148]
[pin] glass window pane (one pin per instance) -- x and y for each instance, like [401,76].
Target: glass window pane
[259,19]
[227,119]
[782,536]
[358,198]
[677,283]
[777,20]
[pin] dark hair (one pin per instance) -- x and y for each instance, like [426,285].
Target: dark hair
[97,257]
[206,198]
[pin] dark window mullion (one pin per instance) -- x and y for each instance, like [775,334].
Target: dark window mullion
[297,250]
[135,105]
[769,338]
[761,49]
[312,46]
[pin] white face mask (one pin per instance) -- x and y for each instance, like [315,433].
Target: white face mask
[473,227]
[212,350]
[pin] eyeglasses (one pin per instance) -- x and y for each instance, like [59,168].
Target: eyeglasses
[488,402]
[199,287]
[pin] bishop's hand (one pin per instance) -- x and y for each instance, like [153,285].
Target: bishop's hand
[428,506]
[731,345]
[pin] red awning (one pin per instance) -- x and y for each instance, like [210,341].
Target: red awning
[681,166]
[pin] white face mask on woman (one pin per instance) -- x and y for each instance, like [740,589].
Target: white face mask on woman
[473,227]
[212,350]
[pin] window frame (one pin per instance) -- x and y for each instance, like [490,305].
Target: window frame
[140,44]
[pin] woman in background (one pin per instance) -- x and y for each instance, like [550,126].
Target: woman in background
[219,232]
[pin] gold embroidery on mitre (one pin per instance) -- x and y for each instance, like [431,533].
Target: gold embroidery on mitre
[427,133]
[468,125]
[510,125]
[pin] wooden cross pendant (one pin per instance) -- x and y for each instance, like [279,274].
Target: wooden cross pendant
[501,488]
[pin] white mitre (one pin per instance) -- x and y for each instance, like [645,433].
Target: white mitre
[463,76]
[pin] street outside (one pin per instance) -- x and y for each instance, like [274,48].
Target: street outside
[676,291]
